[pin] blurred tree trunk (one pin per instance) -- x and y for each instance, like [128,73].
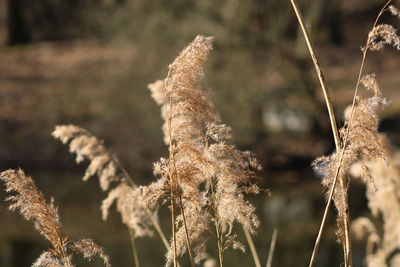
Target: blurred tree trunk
[17,24]
[4,34]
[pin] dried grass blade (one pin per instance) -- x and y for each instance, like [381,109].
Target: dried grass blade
[346,221]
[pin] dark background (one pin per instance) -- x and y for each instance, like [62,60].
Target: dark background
[88,63]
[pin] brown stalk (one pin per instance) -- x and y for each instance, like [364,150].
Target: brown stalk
[319,73]
[342,184]
[365,50]
[154,220]
[181,209]
[186,231]
[272,248]
[176,184]
[219,243]
[173,227]
[216,223]
[134,248]
[252,247]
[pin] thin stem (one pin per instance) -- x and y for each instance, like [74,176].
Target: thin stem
[252,247]
[216,223]
[219,243]
[157,226]
[346,217]
[365,50]
[127,176]
[350,123]
[324,217]
[153,218]
[160,233]
[272,248]
[62,251]
[174,178]
[319,73]
[134,249]
[173,227]
[172,183]
[186,232]
[364,55]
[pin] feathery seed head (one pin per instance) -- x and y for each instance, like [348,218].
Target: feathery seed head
[89,249]
[394,11]
[32,205]
[363,144]
[87,146]
[48,259]
[382,35]
[107,167]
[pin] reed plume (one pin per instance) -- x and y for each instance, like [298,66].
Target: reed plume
[383,201]
[362,144]
[136,216]
[32,205]
[208,177]
[107,167]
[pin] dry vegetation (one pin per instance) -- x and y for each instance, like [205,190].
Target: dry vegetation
[32,205]
[205,180]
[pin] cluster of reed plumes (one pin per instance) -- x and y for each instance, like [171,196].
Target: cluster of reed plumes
[205,180]
[204,176]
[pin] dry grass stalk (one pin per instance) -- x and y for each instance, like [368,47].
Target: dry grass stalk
[272,248]
[363,143]
[252,248]
[32,205]
[373,41]
[200,158]
[384,201]
[346,220]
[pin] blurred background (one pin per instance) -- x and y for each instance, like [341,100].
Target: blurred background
[89,62]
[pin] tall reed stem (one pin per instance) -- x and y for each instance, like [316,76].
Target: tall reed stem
[134,249]
[153,218]
[219,243]
[342,183]
[319,73]
[173,227]
[365,50]
[186,232]
[252,247]
[272,248]
[159,230]
[174,179]
[216,223]
[364,55]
